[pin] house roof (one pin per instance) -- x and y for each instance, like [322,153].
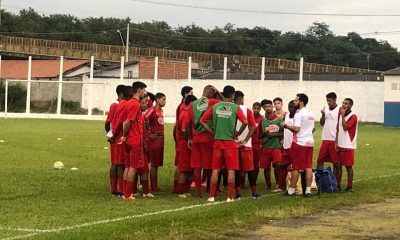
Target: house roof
[395,71]
[18,69]
[118,65]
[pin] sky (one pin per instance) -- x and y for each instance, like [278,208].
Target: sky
[178,16]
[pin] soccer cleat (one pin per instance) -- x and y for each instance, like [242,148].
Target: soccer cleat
[307,195]
[149,195]
[136,194]
[130,198]
[211,199]
[278,190]
[115,194]
[288,194]
[349,190]
[229,199]
[255,196]
[182,195]
[238,196]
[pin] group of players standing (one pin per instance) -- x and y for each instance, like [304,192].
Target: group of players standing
[218,139]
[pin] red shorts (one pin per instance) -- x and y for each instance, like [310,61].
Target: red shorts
[225,158]
[184,157]
[246,162]
[257,151]
[346,157]
[121,154]
[301,157]
[270,156]
[202,155]
[156,157]
[136,156]
[114,153]
[286,156]
[327,152]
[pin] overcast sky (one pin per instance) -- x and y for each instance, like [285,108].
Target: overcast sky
[178,16]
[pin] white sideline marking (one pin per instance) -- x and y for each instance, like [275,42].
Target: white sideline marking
[24,229]
[88,224]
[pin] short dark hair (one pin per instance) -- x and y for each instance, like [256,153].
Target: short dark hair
[138,85]
[151,96]
[185,90]
[120,89]
[128,93]
[350,100]
[159,95]
[331,95]
[257,104]
[303,97]
[228,91]
[189,99]
[238,94]
[266,101]
[277,99]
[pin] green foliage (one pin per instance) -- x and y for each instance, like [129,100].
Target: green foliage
[318,44]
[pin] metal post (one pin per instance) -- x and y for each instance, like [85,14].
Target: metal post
[225,68]
[90,86]
[155,68]
[121,75]
[127,44]
[28,88]
[60,79]
[262,68]
[301,74]
[190,69]
[6,99]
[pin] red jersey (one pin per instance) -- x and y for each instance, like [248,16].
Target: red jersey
[201,136]
[179,109]
[255,139]
[182,124]
[155,117]
[111,111]
[134,115]
[120,116]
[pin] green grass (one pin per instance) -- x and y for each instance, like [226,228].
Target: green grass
[33,195]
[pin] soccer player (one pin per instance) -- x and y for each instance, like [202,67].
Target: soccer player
[113,148]
[255,139]
[329,121]
[347,141]
[200,140]
[271,134]
[224,115]
[278,103]
[133,137]
[302,145]
[155,117]
[184,153]
[246,161]
[286,145]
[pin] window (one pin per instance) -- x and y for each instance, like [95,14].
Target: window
[395,86]
[130,74]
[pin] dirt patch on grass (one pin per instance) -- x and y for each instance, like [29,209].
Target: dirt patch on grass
[369,221]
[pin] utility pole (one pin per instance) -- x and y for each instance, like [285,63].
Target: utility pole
[126,44]
[368,56]
[0,12]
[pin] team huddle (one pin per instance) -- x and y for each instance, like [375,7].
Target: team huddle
[219,142]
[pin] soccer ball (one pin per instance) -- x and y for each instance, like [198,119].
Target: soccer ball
[58,165]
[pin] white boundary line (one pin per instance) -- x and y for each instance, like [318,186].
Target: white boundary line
[35,232]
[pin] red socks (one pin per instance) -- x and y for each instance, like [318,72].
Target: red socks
[213,190]
[128,189]
[349,183]
[231,190]
[120,185]
[253,190]
[197,180]
[145,185]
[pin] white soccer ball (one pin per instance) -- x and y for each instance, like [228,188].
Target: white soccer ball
[58,165]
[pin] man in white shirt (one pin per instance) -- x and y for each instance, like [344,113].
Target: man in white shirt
[329,121]
[302,145]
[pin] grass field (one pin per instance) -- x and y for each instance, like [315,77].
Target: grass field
[37,202]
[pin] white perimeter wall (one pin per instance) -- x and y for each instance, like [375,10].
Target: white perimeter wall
[368,96]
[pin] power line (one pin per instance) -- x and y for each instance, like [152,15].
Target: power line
[266,11]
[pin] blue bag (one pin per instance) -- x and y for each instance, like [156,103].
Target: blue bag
[326,180]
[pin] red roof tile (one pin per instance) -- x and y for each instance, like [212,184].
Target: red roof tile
[18,69]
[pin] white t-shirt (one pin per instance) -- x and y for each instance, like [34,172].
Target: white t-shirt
[246,130]
[287,134]
[304,119]
[331,121]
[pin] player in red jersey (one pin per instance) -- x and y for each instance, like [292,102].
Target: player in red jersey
[184,153]
[155,117]
[113,148]
[278,103]
[346,141]
[199,139]
[255,140]
[225,154]
[246,161]
[133,137]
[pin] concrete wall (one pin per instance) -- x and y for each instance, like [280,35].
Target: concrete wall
[368,96]
[392,88]
[115,73]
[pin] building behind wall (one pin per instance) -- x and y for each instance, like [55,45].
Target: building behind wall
[392,98]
